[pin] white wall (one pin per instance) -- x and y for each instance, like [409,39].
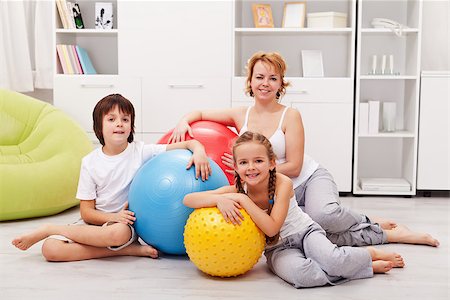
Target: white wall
[436,35]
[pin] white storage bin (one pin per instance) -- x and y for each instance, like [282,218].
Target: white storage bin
[327,20]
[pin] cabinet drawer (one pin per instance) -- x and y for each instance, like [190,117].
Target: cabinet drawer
[78,95]
[305,90]
[165,101]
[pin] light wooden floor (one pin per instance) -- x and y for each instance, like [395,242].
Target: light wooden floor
[26,275]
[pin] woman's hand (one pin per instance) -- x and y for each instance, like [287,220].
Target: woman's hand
[179,132]
[230,210]
[227,160]
[125,216]
[202,167]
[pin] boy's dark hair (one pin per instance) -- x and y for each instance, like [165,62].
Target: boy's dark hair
[107,104]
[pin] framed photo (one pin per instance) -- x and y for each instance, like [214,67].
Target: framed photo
[262,15]
[312,63]
[294,14]
[103,15]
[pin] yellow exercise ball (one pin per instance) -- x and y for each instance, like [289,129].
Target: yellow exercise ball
[219,248]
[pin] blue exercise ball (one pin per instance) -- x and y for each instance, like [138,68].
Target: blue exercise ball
[156,197]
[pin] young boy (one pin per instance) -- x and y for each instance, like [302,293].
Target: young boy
[106,173]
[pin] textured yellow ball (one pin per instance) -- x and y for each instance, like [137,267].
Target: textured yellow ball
[219,248]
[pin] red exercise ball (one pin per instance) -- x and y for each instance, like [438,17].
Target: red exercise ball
[215,137]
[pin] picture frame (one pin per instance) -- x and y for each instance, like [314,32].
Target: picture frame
[104,15]
[262,15]
[294,15]
[312,63]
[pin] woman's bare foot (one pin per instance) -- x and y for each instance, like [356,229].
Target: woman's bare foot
[395,258]
[136,249]
[381,266]
[26,241]
[384,223]
[402,234]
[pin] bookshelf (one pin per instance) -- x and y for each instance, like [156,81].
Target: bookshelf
[100,44]
[388,156]
[326,103]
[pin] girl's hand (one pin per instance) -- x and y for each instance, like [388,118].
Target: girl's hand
[230,210]
[201,162]
[227,160]
[179,132]
[125,216]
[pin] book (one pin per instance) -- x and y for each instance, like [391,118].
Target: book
[62,14]
[68,16]
[62,59]
[385,184]
[374,116]
[77,16]
[363,118]
[67,60]
[77,59]
[73,59]
[85,61]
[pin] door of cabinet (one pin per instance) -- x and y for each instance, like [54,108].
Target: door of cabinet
[328,138]
[176,38]
[165,101]
[433,169]
[78,95]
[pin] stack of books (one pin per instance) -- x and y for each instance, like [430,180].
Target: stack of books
[70,14]
[74,60]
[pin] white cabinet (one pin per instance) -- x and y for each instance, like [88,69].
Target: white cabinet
[326,104]
[388,156]
[182,50]
[78,95]
[433,170]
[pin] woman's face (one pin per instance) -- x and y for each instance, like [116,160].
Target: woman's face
[265,82]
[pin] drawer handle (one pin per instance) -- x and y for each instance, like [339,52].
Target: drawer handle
[186,86]
[297,92]
[97,86]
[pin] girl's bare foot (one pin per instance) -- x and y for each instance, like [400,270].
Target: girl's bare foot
[384,223]
[402,234]
[26,241]
[395,258]
[381,266]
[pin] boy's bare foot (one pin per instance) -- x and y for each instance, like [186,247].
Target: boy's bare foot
[26,241]
[382,266]
[402,234]
[136,249]
[395,258]
[384,223]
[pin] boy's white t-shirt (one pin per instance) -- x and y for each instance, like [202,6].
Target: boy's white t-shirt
[106,179]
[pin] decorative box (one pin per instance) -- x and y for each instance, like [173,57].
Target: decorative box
[327,20]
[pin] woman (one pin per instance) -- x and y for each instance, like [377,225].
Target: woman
[314,186]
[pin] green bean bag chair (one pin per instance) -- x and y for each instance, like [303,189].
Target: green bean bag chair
[40,156]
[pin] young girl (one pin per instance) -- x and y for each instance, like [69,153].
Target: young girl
[105,177]
[314,185]
[297,248]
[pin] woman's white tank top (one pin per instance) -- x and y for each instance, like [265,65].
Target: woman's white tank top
[278,141]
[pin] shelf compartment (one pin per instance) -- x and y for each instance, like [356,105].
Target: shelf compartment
[404,49]
[104,62]
[290,45]
[387,158]
[405,12]
[402,92]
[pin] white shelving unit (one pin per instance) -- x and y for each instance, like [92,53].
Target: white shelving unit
[167,57]
[388,156]
[78,94]
[326,103]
